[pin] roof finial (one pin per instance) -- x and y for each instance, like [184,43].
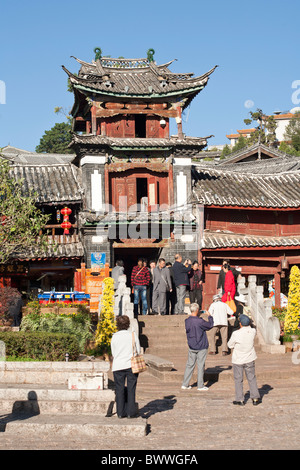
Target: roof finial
[98,53]
[150,54]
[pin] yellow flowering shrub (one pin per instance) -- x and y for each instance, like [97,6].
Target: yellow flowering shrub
[106,325]
[292,316]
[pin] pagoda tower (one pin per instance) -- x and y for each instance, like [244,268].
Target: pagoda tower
[137,178]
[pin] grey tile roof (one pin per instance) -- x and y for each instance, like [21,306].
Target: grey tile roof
[226,239]
[52,183]
[134,77]
[19,156]
[138,142]
[239,155]
[69,249]
[271,183]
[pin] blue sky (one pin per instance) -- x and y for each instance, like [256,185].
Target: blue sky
[255,44]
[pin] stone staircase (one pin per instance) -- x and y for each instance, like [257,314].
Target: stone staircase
[163,335]
[163,339]
[40,397]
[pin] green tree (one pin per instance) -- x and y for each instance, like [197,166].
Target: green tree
[225,152]
[241,144]
[292,133]
[265,131]
[286,148]
[56,140]
[20,220]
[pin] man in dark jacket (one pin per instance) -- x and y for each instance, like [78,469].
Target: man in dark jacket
[196,328]
[171,295]
[181,279]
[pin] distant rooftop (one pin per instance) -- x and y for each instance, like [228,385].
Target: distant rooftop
[21,156]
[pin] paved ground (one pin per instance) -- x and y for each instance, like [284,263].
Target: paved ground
[192,420]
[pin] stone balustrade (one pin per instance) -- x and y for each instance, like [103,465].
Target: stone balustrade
[268,326]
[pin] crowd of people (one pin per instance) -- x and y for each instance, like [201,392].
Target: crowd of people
[162,288]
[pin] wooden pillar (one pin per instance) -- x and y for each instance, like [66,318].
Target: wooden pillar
[83,277]
[277,289]
[171,186]
[94,120]
[179,123]
[88,127]
[106,186]
[77,280]
[103,127]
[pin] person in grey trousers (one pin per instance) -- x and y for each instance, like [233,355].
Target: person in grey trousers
[181,279]
[196,328]
[243,359]
[161,285]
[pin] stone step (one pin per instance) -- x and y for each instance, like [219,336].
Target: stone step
[162,320]
[50,373]
[221,374]
[164,351]
[91,426]
[51,400]
[165,335]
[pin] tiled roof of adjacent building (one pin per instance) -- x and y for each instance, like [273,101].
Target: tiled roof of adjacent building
[273,183]
[71,247]
[52,183]
[51,176]
[226,239]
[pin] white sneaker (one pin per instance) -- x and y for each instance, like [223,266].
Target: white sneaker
[183,387]
[202,389]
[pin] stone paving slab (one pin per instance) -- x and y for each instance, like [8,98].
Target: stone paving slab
[89,426]
[190,420]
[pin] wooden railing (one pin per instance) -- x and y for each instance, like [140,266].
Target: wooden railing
[63,239]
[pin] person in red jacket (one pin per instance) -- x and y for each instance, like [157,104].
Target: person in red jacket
[140,279]
[229,285]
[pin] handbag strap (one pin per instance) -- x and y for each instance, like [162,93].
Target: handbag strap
[138,272]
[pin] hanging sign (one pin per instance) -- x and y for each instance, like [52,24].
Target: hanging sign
[98,260]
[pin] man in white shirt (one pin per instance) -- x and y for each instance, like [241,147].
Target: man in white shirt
[219,311]
[243,358]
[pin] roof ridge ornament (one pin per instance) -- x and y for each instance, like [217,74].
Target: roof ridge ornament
[98,53]
[150,54]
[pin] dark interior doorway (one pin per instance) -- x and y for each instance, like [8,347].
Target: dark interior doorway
[140,125]
[141,189]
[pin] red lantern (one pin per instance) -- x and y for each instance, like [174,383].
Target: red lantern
[66,225]
[66,211]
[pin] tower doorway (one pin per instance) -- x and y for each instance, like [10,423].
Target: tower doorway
[140,125]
